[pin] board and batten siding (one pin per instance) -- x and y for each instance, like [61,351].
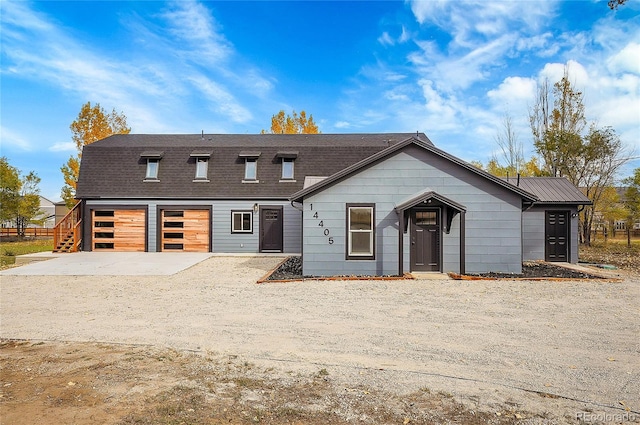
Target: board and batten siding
[223,241]
[533,232]
[493,219]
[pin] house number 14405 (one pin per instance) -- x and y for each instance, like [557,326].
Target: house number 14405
[326,231]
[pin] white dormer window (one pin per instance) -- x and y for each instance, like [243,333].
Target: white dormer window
[250,166]
[287,158]
[250,169]
[152,168]
[153,164]
[201,158]
[202,166]
[287,169]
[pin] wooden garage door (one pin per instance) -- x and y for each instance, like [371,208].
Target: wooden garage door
[185,230]
[118,230]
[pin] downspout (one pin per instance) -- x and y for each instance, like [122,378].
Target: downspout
[301,209]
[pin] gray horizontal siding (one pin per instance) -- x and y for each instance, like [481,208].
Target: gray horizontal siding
[533,232]
[223,241]
[493,220]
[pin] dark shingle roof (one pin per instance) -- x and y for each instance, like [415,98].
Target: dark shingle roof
[115,167]
[552,190]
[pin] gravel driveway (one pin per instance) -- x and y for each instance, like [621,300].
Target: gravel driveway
[558,347]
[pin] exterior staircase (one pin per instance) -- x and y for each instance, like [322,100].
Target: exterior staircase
[67,235]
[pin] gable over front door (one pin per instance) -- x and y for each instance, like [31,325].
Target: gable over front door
[425,240]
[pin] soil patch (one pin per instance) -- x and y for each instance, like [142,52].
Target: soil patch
[84,383]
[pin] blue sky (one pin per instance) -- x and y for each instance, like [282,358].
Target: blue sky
[449,69]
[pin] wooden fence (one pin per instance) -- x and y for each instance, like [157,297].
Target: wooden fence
[29,231]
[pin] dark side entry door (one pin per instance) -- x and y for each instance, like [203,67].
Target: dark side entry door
[271,239]
[556,231]
[425,240]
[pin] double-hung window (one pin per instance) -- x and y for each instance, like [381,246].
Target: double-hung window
[241,222]
[360,231]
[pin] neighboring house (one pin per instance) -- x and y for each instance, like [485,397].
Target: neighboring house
[60,210]
[47,212]
[618,225]
[363,204]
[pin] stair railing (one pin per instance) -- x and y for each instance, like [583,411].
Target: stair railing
[70,227]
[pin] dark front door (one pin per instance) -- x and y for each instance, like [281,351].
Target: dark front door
[425,240]
[271,229]
[556,236]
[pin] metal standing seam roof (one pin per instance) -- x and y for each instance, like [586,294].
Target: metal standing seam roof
[553,190]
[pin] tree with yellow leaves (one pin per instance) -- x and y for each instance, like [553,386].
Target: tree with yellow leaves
[292,124]
[92,124]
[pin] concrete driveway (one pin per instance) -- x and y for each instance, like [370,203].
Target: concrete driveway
[108,264]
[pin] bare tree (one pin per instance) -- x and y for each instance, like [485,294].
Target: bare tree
[510,146]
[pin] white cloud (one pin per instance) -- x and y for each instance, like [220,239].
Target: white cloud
[63,147]
[553,72]
[386,40]
[13,140]
[220,100]
[178,63]
[513,91]
[454,72]
[193,25]
[466,20]
[626,60]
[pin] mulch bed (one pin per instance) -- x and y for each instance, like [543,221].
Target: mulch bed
[535,270]
[291,269]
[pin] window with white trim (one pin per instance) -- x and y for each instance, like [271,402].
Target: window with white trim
[241,222]
[360,231]
[287,168]
[152,168]
[250,169]
[202,166]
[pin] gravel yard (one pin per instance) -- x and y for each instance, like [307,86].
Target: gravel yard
[555,350]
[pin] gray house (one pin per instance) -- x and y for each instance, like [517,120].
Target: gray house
[365,204]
